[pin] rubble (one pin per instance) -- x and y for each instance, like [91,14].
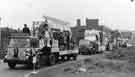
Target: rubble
[121,60]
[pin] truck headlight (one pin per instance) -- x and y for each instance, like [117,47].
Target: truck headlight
[27,52]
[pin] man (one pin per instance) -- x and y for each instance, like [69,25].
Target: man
[26,29]
[45,38]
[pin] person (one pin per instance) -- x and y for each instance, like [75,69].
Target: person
[48,36]
[26,29]
[68,40]
[46,39]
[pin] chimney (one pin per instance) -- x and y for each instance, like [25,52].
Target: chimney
[78,22]
[87,21]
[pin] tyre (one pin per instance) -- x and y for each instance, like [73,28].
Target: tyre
[69,58]
[66,58]
[11,65]
[75,57]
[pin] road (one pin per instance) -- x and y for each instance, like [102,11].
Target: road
[21,71]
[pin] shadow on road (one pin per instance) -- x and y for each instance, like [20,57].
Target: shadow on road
[20,67]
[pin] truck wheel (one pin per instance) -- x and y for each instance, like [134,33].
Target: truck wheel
[74,57]
[52,59]
[11,65]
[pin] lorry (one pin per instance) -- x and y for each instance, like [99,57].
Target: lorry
[21,49]
[63,46]
[41,47]
[93,42]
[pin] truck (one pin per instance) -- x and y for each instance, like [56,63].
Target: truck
[42,47]
[62,46]
[21,49]
[93,42]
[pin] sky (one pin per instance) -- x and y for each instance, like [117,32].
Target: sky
[115,14]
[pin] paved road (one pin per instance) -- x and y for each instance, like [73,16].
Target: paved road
[21,71]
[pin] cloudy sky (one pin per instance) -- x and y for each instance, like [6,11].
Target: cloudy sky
[116,14]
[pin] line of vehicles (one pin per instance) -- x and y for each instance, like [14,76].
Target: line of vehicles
[46,45]
[49,43]
[95,41]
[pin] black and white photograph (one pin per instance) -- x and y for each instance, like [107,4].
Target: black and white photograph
[67,38]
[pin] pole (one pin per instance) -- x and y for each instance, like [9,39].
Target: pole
[34,64]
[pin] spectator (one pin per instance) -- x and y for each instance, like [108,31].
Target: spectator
[26,29]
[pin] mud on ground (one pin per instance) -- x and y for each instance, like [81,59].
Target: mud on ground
[120,60]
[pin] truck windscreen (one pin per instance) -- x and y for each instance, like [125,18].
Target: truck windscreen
[91,38]
[18,43]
